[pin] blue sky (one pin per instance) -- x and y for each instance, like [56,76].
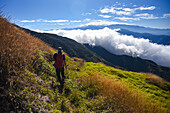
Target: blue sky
[56,14]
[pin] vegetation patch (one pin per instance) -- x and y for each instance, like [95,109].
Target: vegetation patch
[29,84]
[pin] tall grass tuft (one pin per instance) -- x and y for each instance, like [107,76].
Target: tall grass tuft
[16,50]
[158,81]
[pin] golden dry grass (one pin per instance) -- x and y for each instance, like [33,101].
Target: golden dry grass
[78,59]
[101,63]
[16,49]
[158,81]
[120,97]
[154,77]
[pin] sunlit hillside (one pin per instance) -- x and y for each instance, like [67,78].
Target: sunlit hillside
[28,81]
[99,54]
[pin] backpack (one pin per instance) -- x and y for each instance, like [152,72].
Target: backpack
[59,60]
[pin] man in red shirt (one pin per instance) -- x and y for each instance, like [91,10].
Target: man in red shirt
[59,64]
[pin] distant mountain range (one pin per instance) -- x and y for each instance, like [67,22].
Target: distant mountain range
[159,39]
[99,54]
[132,28]
[159,36]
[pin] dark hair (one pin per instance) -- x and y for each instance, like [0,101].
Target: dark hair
[59,49]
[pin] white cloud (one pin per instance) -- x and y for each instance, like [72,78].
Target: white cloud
[146,16]
[124,11]
[76,21]
[86,20]
[118,11]
[103,22]
[127,9]
[138,17]
[149,17]
[166,15]
[119,44]
[142,14]
[55,21]
[118,8]
[27,21]
[108,10]
[43,20]
[85,14]
[146,8]
[105,16]
[126,18]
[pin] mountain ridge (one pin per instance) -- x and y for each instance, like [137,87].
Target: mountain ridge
[79,51]
[133,28]
[131,63]
[159,39]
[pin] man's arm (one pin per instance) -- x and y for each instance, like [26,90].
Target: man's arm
[64,61]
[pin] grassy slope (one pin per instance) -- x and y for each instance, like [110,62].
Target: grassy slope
[89,87]
[30,82]
[132,63]
[98,54]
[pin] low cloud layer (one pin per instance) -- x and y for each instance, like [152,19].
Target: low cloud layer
[119,44]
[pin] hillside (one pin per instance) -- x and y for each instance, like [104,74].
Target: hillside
[75,49]
[131,63]
[28,81]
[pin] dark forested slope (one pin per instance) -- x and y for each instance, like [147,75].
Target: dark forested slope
[131,63]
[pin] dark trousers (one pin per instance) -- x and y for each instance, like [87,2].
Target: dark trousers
[58,71]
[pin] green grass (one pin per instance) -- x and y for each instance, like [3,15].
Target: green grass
[83,90]
[135,81]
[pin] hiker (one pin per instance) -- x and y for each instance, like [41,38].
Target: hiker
[59,64]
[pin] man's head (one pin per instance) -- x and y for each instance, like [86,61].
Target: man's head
[59,49]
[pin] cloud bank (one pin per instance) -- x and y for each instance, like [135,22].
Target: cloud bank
[43,20]
[124,11]
[105,16]
[119,44]
[130,14]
